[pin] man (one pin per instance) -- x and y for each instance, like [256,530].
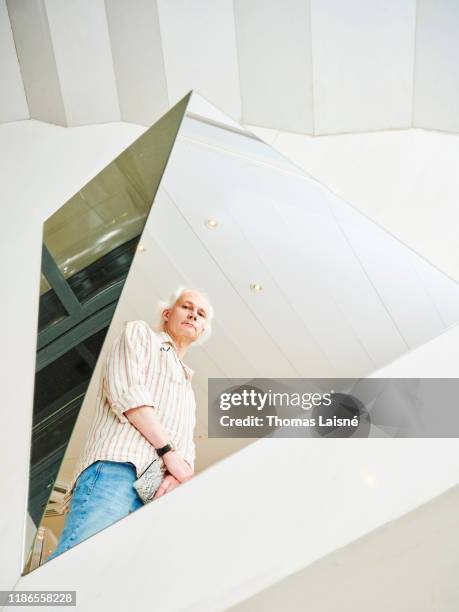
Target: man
[145,411]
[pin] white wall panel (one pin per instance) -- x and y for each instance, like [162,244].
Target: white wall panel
[199,47]
[138,60]
[438,358]
[406,181]
[443,293]
[363,56]
[421,547]
[13,103]
[274,47]
[84,62]
[436,93]
[32,37]
[392,268]
[275,500]
[286,241]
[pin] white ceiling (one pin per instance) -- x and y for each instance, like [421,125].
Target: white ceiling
[436,76]
[363,62]
[199,50]
[307,66]
[275,63]
[13,103]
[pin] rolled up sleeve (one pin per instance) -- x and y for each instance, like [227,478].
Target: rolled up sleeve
[128,368]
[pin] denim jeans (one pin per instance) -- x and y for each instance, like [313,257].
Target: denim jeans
[103,494]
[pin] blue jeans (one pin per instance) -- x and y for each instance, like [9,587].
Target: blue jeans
[103,494]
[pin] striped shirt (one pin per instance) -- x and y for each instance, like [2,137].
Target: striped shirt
[141,369]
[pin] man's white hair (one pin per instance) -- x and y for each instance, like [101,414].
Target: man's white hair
[166,304]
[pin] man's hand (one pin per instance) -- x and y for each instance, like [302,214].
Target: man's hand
[177,466]
[168,483]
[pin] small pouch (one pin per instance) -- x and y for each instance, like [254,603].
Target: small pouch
[148,483]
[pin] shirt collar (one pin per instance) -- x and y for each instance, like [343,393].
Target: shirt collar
[166,339]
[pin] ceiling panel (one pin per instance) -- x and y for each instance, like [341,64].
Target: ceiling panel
[35,52]
[406,181]
[436,89]
[137,60]
[333,271]
[443,293]
[391,267]
[199,48]
[13,103]
[363,55]
[83,56]
[274,49]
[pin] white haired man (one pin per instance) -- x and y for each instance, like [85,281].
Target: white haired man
[145,411]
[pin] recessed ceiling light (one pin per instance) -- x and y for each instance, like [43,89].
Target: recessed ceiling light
[256,287]
[141,248]
[211,223]
[369,478]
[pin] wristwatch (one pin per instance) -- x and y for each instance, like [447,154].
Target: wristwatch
[165,449]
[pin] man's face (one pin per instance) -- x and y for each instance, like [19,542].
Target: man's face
[188,317]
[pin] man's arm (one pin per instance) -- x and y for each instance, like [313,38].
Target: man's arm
[146,422]
[144,419]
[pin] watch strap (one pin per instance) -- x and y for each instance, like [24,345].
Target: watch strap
[165,449]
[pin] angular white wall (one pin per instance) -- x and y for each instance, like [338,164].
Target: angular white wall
[32,37]
[199,48]
[325,66]
[13,103]
[420,547]
[363,55]
[275,67]
[84,62]
[307,66]
[436,94]
[406,181]
[138,60]
[66,62]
